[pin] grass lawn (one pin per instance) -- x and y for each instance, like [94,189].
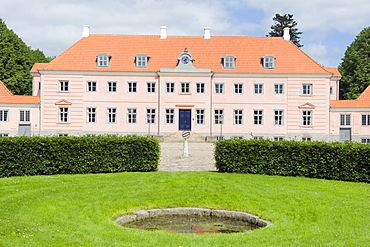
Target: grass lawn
[78,210]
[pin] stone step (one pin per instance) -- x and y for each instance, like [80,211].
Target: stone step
[177,137]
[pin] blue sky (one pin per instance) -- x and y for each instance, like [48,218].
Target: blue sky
[328,26]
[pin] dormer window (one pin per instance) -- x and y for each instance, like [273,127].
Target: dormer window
[228,62]
[141,61]
[103,60]
[268,62]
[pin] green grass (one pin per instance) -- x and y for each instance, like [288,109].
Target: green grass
[78,210]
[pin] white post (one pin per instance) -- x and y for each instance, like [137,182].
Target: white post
[186,149]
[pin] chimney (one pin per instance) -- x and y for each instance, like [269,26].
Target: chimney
[207,33]
[86,31]
[286,33]
[163,32]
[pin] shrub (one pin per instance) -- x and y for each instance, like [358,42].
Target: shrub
[20,156]
[339,161]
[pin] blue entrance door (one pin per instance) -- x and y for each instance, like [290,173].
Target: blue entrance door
[184,119]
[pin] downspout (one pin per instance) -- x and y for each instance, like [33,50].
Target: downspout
[211,106]
[159,104]
[40,95]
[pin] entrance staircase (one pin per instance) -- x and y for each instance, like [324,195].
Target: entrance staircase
[177,137]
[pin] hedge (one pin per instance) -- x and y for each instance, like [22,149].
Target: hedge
[340,161]
[20,156]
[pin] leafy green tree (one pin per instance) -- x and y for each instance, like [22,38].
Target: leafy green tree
[283,21]
[355,66]
[16,61]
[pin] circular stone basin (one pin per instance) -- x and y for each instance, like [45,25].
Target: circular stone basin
[192,220]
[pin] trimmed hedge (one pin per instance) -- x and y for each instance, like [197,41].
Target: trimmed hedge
[340,161]
[20,156]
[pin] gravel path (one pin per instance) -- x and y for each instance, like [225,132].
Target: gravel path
[200,157]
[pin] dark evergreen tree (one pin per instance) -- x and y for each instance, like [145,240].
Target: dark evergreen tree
[16,61]
[282,21]
[355,66]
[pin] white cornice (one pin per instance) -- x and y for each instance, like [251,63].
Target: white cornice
[349,109]
[24,105]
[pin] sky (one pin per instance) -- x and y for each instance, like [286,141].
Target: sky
[328,26]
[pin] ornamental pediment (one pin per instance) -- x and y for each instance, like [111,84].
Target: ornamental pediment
[63,102]
[307,105]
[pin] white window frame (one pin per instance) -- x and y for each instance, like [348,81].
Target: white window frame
[132,86]
[365,120]
[63,86]
[91,86]
[365,140]
[229,62]
[150,87]
[170,116]
[238,116]
[307,139]
[307,89]
[150,115]
[268,62]
[103,60]
[170,87]
[4,134]
[141,61]
[307,117]
[112,86]
[63,114]
[200,87]
[278,138]
[278,88]
[24,116]
[199,116]
[185,87]
[91,114]
[219,88]
[219,116]
[278,117]
[258,88]
[345,119]
[131,115]
[258,117]
[111,115]
[238,88]
[4,115]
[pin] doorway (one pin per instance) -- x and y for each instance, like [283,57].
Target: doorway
[184,119]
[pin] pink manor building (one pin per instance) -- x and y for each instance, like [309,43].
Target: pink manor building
[230,86]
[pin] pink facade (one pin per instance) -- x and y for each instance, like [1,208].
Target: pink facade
[245,87]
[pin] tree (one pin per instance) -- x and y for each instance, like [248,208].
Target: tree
[282,21]
[16,61]
[355,66]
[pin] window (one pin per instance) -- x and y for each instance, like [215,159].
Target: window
[306,118]
[331,90]
[91,115]
[150,115]
[132,87]
[345,119]
[228,62]
[200,88]
[24,115]
[219,116]
[199,116]
[258,88]
[278,117]
[63,114]
[278,138]
[111,115]
[131,115]
[63,86]
[306,89]
[185,87]
[103,60]
[219,88]
[279,88]
[170,116]
[238,117]
[306,139]
[365,140]
[62,134]
[268,62]
[4,134]
[170,87]
[141,61]
[258,137]
[365,119]
[258,117]
[4,115]
[112,86]
[91,86]
[150,87]
[238,88]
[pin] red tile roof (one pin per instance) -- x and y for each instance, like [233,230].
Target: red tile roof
[334,71]
[163,53]
[362,101]
[7,97]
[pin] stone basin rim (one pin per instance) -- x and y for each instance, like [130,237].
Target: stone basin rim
[151,213]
